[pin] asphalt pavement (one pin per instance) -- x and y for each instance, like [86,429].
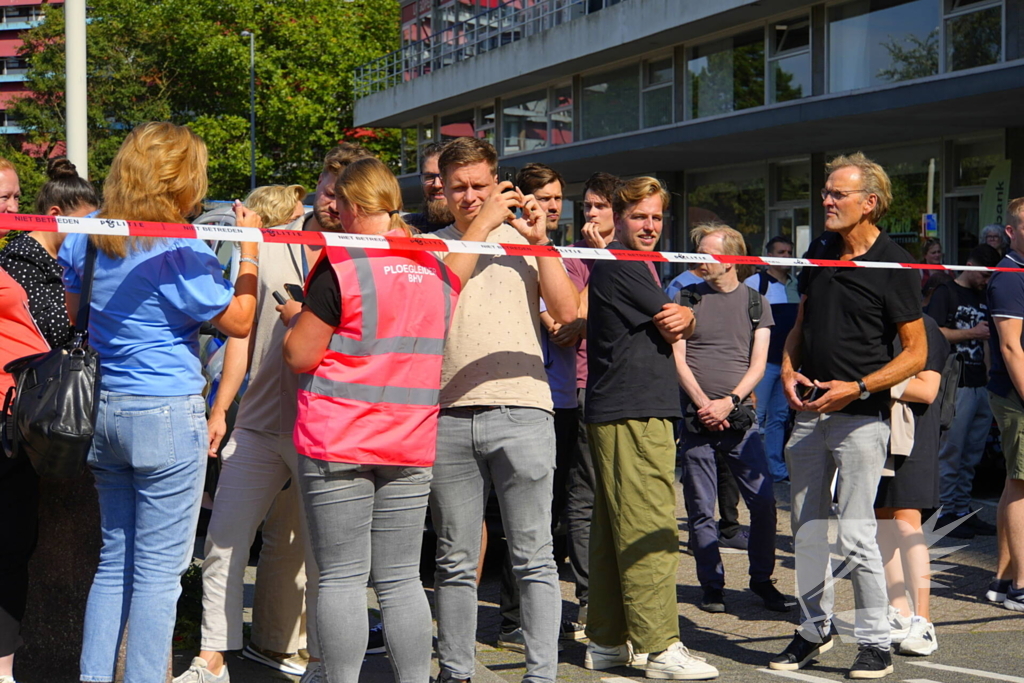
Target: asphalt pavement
[978,641]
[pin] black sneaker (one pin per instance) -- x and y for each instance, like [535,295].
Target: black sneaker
[375,644]
[963,531]
[871,662]
[713,601]
[445,676]
[979,526]
[799,652]
[773,599]
[736,544]
[997,590]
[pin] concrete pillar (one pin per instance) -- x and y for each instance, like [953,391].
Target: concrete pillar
[76,99]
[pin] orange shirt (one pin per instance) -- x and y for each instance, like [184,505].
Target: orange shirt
[19,335]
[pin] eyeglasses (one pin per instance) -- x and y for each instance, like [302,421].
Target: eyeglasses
[838,195]
[429,178]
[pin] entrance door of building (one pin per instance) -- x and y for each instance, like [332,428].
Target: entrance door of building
[965,214]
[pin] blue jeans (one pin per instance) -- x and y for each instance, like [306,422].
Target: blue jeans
[772,414]
[744,454]
[514,449]
[149,461]
[366,523]
[962,447]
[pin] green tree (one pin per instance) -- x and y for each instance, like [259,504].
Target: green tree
[185,61]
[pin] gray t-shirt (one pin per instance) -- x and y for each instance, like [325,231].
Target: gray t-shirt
[718,353]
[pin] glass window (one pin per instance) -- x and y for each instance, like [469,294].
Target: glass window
[872,42]
[974,160]
[789,66]
[461,125]
[735,197]
[611,102]
[485,129]
[908,170]
[727,75]
[792,182]
[525,122]
[974,39]
[561,115]
[657,95]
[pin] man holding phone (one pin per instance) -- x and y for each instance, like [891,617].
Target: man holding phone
[846,324]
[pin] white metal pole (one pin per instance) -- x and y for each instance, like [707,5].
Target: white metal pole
[76,99]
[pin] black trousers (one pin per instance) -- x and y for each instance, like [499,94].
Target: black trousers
[19,512]
[567,422]
[728,499]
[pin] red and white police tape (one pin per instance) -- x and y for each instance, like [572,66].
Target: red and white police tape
[105,226]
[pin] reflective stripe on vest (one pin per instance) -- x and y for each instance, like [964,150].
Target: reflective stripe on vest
[368,393]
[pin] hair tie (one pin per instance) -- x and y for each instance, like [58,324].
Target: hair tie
[393,213]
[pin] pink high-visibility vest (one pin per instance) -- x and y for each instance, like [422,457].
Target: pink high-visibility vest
[373,400]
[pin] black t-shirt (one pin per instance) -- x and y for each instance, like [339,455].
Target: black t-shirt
[630,371]
[323,295]
[959,308]
[850,315]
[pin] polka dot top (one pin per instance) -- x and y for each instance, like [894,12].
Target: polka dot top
[39,274]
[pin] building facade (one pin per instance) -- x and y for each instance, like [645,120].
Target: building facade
[736,105]
[16,17]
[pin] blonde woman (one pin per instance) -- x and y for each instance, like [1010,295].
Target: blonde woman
[149,297]
[368,342]
[277,204]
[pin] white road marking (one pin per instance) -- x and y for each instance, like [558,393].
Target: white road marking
[797,676]
[970,672]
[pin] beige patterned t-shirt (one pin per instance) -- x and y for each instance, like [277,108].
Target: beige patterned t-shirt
[493,355]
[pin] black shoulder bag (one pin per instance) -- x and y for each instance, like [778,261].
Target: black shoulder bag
[50,412]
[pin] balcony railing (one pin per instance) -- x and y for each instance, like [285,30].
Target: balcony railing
[481,33]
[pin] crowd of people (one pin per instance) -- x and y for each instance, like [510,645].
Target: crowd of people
[380,384]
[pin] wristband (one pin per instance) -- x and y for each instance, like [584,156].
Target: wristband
[247,259]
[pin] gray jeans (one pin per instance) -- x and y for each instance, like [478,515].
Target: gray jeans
[514,449]
[962,447]
[856,446]
[366,523]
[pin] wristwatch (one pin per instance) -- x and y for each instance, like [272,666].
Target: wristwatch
[735,399]
[864,393]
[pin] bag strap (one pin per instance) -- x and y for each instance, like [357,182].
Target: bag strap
[85,297]
[763,282]
[754,307]
[689,296]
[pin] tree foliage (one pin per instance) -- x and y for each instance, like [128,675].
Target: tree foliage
[185,61]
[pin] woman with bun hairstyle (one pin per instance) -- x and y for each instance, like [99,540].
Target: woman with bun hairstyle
[368,343]
[31,257]
[149,298]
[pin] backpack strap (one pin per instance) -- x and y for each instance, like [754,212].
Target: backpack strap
[754,307]
[689,296]
[763,282]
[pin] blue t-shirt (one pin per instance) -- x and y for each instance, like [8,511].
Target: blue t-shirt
[146,313]
[1005,300]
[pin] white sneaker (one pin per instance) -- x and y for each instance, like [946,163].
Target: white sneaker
[676,663]
[600,657]
[314,674]
[921,640]
[199,672]
[7,679]
[899,625]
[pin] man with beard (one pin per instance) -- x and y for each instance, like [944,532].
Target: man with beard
[632,402]
[436,214]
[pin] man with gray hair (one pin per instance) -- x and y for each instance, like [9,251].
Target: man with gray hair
[724,360]
[837,370]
